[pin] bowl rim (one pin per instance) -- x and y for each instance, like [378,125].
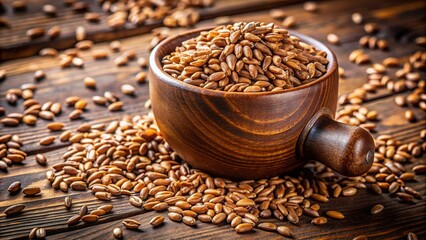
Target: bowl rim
[156,67]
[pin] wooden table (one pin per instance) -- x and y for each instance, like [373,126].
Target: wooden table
[401,22]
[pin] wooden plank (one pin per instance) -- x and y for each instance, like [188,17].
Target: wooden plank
[51,202]
[71,81]
[397,30]
[391,121]
[348,228]
[358,221]
[100,32]
[68,82]
[15,44]
[319,33]
[358,218]
[310,21]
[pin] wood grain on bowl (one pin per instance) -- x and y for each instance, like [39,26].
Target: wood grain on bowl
[246,135]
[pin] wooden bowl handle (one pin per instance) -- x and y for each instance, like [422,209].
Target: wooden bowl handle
[347,149]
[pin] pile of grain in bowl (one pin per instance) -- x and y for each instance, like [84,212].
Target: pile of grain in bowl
[246,57]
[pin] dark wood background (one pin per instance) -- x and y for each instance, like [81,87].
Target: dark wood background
[14,43]
[401,22]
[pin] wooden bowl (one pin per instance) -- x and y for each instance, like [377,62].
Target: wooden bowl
[256,135]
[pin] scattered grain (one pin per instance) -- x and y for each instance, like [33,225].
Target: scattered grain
[371,28]
[140,77]
[41,233]
[74,220]
[278,14]
[190,221]
[90,82]
[411,236]
[157,221]
[310,6]
[377,209]
[131,223]
[115,46]
[54,32]
[55,126]
[118,233]
[333,38]
[31,191]
[128,89]
[68,202]
[47,140]
[115,106]
[357,18]
[14,209]
[285,231]
[409,116]
[14,187]
[289,22]
[41,159]
[34,33]
[319,221]
[421,41]
[75,114]
[244,227]
[89,218]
